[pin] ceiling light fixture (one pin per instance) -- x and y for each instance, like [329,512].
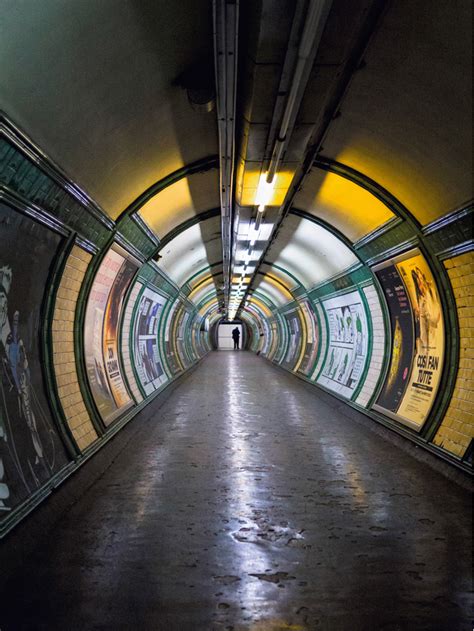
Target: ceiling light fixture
[264,192]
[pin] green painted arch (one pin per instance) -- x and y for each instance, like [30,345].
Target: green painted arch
[370,185]
[200,166]
[192,221]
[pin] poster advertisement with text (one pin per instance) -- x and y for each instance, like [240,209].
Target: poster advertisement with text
[146,350]
[103,311]
[402,350]
[348,343]
[294,334]
[411,402]
[93,326]
[312,341]
[110,335]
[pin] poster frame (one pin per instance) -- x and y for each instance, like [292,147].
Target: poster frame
[80,321]
[350,290]
[144,287]
[48,374]
[405,255]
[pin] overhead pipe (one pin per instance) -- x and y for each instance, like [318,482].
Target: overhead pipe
[225,33]
[318,11]
[314,23]
[368,30]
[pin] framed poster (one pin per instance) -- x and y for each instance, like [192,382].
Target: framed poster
[146,351]
[101,322]
[348,343]
[312,342]
[183,318]
[31,450]
[294,327]
[417,349]
[113,312]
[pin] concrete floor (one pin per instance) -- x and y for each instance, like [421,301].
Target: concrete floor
[248,503]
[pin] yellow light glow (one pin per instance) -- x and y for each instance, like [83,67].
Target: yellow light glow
[180,201]
[247,193]
[260,305]
[342,203]
[424,182]
[201,288]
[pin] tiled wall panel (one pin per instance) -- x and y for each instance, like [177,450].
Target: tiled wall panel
[63,348]
[378,345]
[457,428]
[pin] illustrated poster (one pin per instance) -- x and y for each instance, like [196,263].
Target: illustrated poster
[348,343]
[146,350]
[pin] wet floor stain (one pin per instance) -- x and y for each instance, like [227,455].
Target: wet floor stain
[247,503]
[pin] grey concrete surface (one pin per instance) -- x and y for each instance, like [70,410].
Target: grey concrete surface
[248,503]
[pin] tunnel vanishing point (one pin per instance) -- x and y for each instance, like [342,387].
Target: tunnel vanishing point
[300,170]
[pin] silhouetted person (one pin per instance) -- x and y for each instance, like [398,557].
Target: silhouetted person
[236,337]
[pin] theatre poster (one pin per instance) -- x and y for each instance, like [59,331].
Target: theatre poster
[417,347]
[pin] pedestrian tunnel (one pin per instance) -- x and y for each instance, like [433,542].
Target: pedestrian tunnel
[335,232]
[225,337]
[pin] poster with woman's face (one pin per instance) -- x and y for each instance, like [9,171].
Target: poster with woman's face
[429,339]
[110,335]
[417,352]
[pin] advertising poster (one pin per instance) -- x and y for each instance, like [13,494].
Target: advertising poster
[312,343]
[427,342]
[294,339]
[348,343]
[169,346]
[111,333]
[146,350]
[31,450]
[273,341]
[402,351]
[183,318]
[101,357]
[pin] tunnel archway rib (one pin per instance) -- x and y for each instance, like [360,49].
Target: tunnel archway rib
[416,236]
[412,235]
[200,166]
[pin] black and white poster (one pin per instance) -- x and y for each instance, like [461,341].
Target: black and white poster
[31,450]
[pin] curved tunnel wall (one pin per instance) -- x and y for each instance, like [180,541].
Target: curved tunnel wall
[90,331]
[92,328]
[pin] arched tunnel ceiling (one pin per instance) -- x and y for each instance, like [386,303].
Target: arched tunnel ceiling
[196,247]
[181,201]
[310,252]
[94,84]
[281,275]
[406,120]
[347,206]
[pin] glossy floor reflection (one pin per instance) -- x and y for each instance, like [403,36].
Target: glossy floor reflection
[248,503]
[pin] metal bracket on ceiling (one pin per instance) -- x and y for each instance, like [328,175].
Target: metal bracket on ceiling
[226,26]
